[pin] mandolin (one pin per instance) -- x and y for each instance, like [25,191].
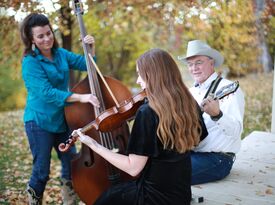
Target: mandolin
[226,90]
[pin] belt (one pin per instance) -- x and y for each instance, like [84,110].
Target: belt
[228,154]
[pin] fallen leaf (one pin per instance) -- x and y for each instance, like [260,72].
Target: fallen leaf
[268,191]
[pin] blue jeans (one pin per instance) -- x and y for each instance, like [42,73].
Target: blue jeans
[41,143]
[210,166]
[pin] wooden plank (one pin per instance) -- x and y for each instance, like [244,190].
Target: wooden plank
[252,179]
[236,189]
[252,172]
[222,198]
[258,146]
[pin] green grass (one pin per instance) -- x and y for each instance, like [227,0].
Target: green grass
[15,157]
[258,99]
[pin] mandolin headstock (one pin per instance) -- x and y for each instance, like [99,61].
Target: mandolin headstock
[227,90]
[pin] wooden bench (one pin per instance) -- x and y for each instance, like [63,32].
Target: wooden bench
[252,178]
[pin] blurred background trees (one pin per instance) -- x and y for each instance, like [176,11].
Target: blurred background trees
[243,30]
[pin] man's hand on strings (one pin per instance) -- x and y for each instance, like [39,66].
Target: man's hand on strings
[210,106]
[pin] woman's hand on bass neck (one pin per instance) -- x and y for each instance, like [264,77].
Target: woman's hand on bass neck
[88,39]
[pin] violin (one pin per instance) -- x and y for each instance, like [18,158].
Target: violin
[109,119]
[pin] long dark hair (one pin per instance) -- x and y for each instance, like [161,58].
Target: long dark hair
[168,96]
[33,20]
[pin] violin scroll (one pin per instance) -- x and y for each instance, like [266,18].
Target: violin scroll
[64,147]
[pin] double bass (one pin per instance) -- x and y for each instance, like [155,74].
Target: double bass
[91,174]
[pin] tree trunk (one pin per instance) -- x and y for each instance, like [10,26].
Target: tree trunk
[264,59]
[66,22]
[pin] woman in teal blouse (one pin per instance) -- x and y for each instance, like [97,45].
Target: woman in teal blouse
[45,70]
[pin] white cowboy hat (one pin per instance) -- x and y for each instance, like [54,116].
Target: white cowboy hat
[200,48]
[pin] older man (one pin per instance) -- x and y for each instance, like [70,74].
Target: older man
[213,158]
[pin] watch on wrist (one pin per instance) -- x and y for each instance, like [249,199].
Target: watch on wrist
[217,117]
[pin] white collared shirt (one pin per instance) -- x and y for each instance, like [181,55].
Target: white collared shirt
[224,135]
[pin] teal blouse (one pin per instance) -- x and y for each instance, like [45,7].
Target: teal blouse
[47,83]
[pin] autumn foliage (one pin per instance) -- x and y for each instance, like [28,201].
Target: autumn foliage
[124,29]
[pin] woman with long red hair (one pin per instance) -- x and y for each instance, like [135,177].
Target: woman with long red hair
[167,126]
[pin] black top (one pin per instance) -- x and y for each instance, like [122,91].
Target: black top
[166,178]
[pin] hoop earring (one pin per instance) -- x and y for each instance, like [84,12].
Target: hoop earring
[33,47]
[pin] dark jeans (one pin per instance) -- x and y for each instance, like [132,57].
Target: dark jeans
[41,143]
[210,166]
